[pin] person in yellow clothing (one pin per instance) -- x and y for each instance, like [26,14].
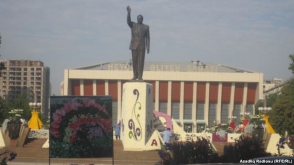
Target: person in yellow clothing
[35,122]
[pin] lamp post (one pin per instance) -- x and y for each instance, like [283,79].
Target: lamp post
[263,111]
[35,106]
[35,122]
[232,118]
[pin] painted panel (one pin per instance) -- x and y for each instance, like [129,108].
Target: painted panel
[188,92]
[163,89]
[239,90]
[112,89]
[100,87]
[75,90]
[88,87]
[176,91]
[226,92]
[251,93]
[201,92]
[213,92]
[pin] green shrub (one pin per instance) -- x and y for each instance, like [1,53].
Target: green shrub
[244,148]
[199,151]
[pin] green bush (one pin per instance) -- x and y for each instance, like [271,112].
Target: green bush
[199,151]
[244,148]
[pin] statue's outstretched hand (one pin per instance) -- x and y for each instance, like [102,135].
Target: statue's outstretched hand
[128,9]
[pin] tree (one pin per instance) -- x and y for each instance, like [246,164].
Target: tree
[282,115]
[3,110]
[291,67]
[21,102]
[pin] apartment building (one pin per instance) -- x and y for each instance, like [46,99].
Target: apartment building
[27,76]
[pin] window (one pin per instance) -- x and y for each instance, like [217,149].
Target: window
[163,107]
[237,111]
[225,113]
[188,111]
[212,114]
[175,111]
[200,111]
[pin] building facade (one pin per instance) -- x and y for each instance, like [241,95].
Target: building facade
[28,76]
[195,94]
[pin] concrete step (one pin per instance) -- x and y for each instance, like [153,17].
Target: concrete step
[34,155]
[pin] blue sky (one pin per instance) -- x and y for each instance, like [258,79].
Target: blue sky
[252,35]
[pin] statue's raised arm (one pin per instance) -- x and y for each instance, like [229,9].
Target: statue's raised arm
[129,17]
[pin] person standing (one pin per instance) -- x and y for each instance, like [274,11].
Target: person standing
[117,131]
[166,136]
[139,42]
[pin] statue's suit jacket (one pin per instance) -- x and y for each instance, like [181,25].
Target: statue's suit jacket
[140,36]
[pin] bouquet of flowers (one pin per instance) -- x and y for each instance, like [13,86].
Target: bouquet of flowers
[81,127]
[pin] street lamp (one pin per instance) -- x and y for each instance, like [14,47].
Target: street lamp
[263,111]
[35,106]
[245,115]
[232,118]
[35,122]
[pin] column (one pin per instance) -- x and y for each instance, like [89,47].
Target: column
[106,87]
[244,101]
[169,93]
[82,87]
[156,106]
[94,88]
[206,104]
[219,102]
[119,100]
[194,105]
[66,83]
[231,106]
[182,103]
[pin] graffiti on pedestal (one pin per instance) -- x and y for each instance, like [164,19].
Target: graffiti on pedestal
[135,132]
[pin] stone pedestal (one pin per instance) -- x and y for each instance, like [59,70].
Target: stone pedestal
[137,115]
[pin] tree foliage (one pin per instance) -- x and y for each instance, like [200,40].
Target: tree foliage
[282,114]
[291,67]
[21,102]
[3,110]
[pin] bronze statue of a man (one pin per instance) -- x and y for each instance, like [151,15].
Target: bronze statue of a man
[140,40]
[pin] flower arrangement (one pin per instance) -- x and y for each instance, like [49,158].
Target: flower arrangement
[15,115]
[222,126]
[81,127]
